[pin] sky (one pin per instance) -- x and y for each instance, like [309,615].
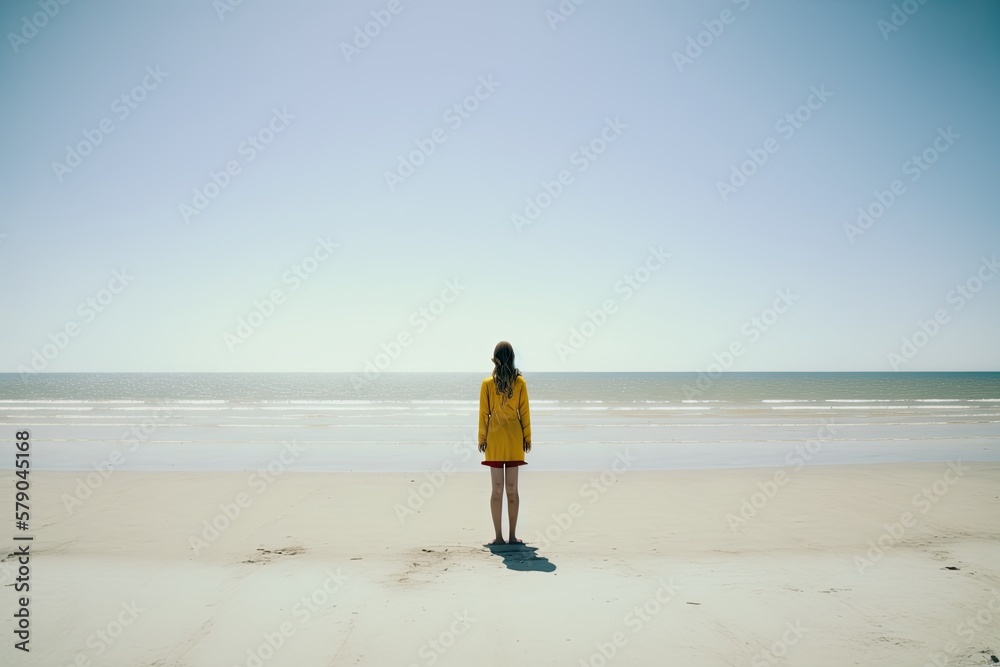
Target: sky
[399,184]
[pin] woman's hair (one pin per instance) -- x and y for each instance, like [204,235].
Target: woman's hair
[504,371]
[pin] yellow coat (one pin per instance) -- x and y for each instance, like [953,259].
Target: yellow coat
[504,423]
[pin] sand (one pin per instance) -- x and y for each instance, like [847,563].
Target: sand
[828,565]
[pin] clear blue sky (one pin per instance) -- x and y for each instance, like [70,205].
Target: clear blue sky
[198,81]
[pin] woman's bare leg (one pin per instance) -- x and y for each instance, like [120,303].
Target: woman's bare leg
[496,501]
[513,502]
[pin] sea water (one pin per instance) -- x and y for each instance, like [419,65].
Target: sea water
[429,421]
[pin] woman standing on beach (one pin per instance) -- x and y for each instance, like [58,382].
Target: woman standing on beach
[504,434]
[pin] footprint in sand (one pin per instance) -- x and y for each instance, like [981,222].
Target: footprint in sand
[268,555]
[427,564]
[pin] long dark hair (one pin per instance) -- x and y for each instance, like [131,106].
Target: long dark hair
[504,370]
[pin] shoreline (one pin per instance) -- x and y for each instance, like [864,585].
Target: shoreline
[374,458]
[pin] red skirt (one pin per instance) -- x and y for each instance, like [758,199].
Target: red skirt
[501,464]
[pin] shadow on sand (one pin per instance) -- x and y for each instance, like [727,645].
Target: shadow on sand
[521,557]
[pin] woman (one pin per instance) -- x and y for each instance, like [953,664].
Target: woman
[504,434]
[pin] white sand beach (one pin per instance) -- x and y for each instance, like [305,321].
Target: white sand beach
[839,565]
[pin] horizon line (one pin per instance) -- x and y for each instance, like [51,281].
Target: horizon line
[697,372]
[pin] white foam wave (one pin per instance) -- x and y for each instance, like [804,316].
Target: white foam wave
[801,407]
[60,401]
[38,407]
[662,407]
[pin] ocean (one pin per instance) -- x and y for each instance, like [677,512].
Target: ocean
[427,421]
